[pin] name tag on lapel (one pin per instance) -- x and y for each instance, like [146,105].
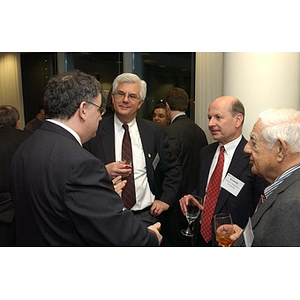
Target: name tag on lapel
[232,184]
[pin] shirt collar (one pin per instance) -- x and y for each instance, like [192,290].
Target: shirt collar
[120,124]
[231,146]
[180,114]
[269,189]
[66,128]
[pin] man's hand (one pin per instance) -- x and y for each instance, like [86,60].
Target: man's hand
[115,169]
[184,201]
[156,228]
[158,207]
[235,235]
[119,184]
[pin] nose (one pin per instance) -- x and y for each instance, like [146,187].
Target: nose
[210,122]
[247,148]
[126,98]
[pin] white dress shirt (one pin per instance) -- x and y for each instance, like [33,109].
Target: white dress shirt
[228,154]
[144,196]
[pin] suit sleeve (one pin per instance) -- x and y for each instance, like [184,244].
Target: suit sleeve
[97,211]
[171,170]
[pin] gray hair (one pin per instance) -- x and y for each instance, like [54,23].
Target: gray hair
[130,78]
[281,123]
[9,115]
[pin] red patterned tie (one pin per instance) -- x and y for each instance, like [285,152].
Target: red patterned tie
[211,197]
[128,194]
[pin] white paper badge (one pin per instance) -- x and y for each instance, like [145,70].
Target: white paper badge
[232,184]
[248,234]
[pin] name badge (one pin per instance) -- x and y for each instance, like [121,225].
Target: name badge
[232,184]
[248,234]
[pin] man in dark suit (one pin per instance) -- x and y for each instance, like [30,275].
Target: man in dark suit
[156,171]
[186,139]
[10,139]
[225,120]
[274,150]
[62,194]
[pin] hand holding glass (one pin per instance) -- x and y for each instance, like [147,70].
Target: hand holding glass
[193,210]
[128,167]
[223,229]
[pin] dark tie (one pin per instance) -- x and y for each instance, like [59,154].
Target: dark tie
[211,197]
[128,194]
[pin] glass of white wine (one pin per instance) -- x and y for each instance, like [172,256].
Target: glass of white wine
[223,229]
[193,210]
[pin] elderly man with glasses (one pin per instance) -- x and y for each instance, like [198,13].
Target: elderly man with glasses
[152,173]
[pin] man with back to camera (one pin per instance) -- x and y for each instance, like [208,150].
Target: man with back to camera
[225,121]
[274,149]
[62,194]
[10,139]
[155,173]
[186,139]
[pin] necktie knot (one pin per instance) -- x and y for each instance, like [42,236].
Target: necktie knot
[222,149]
[125,126]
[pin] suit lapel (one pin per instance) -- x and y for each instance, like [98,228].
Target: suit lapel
[238,164]
[205,167]
[108,137]
[264,207]
[146,138]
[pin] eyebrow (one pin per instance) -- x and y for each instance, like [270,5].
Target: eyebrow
[252,136]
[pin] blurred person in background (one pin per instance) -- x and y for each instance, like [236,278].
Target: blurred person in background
[10,139]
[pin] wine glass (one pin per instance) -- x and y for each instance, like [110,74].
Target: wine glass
[193,210]
[223,234]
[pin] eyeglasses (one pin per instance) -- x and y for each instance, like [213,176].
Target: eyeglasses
[101,110]
[120,95]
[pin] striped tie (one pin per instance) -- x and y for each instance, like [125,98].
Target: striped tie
[211,197]
[128,194]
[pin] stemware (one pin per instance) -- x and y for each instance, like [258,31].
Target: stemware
[223,234]
[194,208]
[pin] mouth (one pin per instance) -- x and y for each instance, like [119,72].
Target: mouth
[214,131]
[124,107]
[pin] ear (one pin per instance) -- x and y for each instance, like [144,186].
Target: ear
[82,111]
[140,104]
[282,150]
[239,120]
[18,124]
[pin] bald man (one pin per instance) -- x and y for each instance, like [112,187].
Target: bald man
[240,189]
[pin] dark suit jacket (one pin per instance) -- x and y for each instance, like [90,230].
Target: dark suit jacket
[186,140]
[63,196]
[164,179]
[10,139]
[277,220]
[242,206]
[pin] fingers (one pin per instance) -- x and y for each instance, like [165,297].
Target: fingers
[116,179]
[119,184]
[157,225]
[155,228]
[183,203]
[158,207]
[155,210]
